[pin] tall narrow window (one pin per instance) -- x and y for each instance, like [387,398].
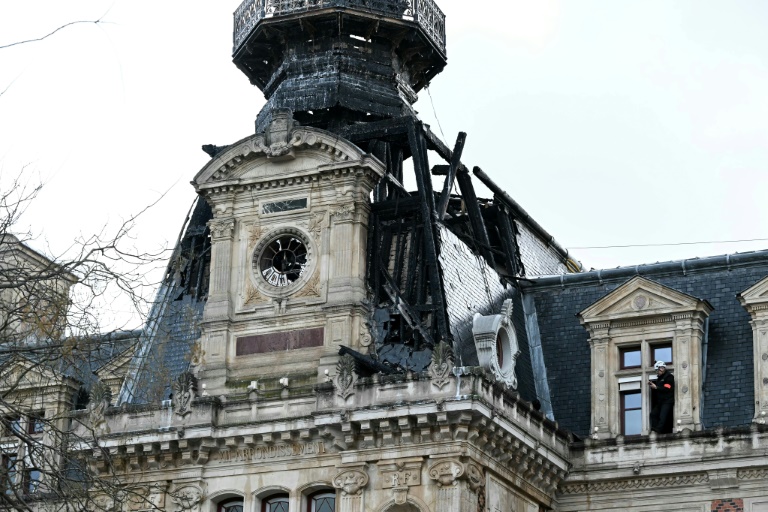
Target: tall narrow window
[323,501]
[8,473]
[631,413]
[275,504]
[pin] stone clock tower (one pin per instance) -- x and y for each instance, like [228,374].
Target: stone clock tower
[289,235]
[291,204]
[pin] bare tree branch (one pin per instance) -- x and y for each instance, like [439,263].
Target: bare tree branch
[37,39]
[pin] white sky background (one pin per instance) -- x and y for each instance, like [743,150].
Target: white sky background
[612,122]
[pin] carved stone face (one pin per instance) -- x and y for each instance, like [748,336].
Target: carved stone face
[283,260]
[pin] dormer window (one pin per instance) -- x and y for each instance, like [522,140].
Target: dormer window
[631,328]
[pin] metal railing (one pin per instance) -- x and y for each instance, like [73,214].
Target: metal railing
[424,12]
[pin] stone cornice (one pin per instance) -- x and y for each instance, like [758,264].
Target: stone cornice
[488,421]
[633,484]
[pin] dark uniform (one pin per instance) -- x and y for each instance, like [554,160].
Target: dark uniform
[663,403]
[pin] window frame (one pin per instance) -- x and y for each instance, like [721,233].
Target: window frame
[223,505]
[322,493]
[624,409]
[630,348]
[265,502]
[644,373]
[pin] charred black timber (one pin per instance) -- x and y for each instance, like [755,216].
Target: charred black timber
[475,215]
[423,179]
[408,314]
[366,365]
[509,242]
[519,213]
[442,205]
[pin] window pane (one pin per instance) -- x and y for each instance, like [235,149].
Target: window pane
[633,422]
[324,503]
[279,504]
[232,506]
[632,401]
[662,353]
[631,358]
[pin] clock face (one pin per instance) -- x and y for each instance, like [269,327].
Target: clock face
[283,260]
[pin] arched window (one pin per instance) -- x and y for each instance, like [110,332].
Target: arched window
[322,501]
[233,505]
[276,503]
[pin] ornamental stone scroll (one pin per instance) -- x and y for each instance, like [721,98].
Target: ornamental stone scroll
[496,344]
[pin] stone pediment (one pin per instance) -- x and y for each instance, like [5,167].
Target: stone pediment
[640,297]
[755,297]
[283,152]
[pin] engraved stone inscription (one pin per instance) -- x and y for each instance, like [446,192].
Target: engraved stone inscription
[277,451]
[405,478]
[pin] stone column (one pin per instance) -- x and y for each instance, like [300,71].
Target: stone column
[602,395]
[687,362]
[760,343]
[352,482]
[217,306]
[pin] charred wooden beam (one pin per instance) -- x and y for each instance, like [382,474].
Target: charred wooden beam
[423,179]
[519,213]
[411,317]
[509,243]
[475,215]
[442,205]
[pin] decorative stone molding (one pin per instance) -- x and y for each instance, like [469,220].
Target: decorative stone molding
[254,234]
[496,343]
[636,483]
[184,391]
[252,295]
[344,213]
[442,365]
[351,481]
[315,226]
[222,229]
[476,477]
[187,498]
[100,399]
[446,472]
[345,377]
[312,288]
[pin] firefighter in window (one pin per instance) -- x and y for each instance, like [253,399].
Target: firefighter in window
[662,399]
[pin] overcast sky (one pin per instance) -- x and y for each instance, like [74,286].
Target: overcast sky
[613,122]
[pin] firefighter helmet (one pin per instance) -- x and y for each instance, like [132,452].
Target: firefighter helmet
[660,364]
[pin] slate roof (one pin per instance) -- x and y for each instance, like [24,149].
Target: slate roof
[173,325]
[728,384]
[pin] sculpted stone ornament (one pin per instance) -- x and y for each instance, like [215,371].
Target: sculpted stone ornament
[187,498]
[100,398]
[345,376]
[278,135]
[446,472]
[222,229]
[184,391]
[442,365]
[351,481]
[496,344]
